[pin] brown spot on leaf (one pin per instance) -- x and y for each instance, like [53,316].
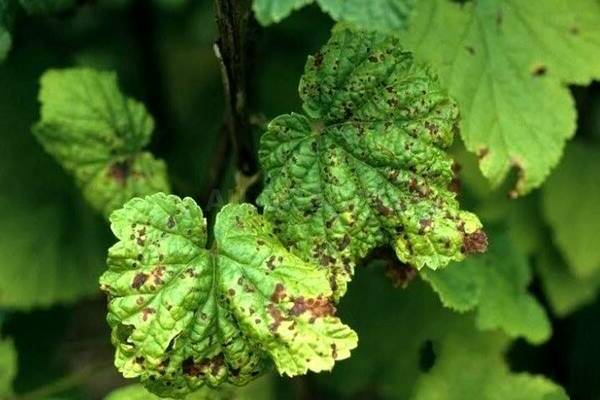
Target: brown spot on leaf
[318,307]
[482,152]
[147,312]
[476,242]
[139,280]
[382,208]
[471,50]
[120,171]
[539,70]
[277,316]
[171,222]
[278,293]
[271,263]
[399,273]
[318,59]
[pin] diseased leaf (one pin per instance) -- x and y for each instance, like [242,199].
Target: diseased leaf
[8,367]
[469,365]
[97,134]
[383,15]
[571,205]
[506,63]
[495,284]
[367,166]
[183,316]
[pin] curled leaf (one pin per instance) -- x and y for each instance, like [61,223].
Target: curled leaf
[367,165]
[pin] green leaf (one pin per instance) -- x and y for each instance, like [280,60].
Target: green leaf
[495,284]
[382,15]
[8,367]
[46,6]
[272,11]
[97,134]
[506,63]
[407,339]
[565,291]
[183,316]
[471,366]
[571,205]
[53,247]
[367,167]
[260,389]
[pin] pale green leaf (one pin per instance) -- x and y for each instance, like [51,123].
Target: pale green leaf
[8,367]
[506,63]
[272,11]
[97,134]
[260,389]
[565,291]
[495,284]
[53,247]
[571,205]
[368,166]
[383,15]
[183,316]
[408,339]
[469,365]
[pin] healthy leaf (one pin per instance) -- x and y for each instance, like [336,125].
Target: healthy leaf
[565,292]
[412,323]
[97,134]
[52,246]
[261,389]
[272,11]
[471,366]
[571,205]
[383,15]
[183,316]
[8,367]
[506,63]
[495,284]
[367,167]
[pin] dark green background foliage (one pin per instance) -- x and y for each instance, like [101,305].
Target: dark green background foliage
[519,322]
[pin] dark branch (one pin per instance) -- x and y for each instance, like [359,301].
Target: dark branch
[233,49]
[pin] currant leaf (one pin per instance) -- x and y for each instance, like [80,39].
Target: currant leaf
[367,166]
[97,134]
[565,291]
[506,62]
[571,205]
[183,316]
[383,15]
[471,366]
[495,285]
[261,389]
[438,345]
